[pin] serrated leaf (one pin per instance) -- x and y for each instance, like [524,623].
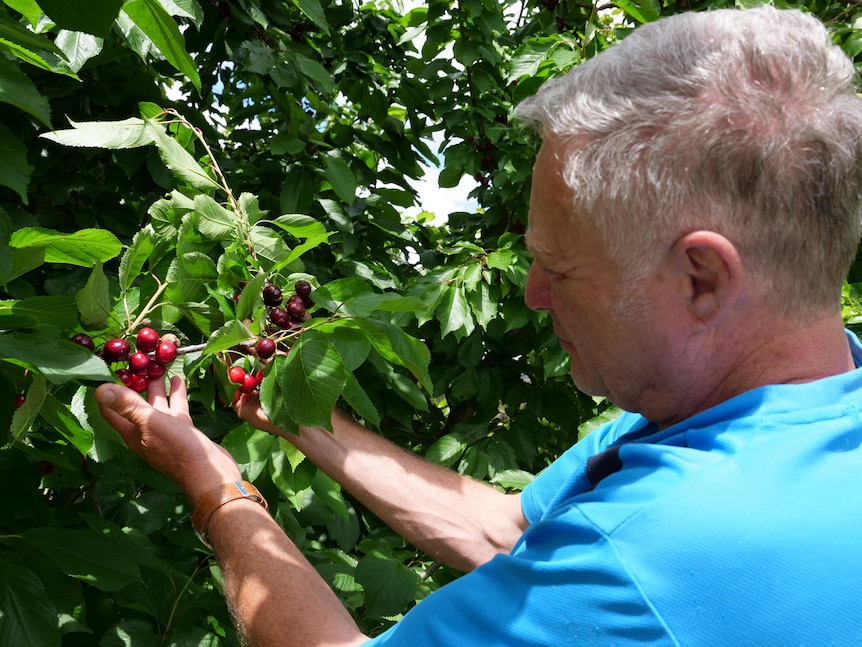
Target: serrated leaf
[341,178]
[178,159]
[513,479]
[126,133]
[358,399]
[299,225]
[232,333]
[84,247]
[314,11]
[454,313]
[135,257]
[364,304]
[483,304]
[250,297]
[27,313]
[61,418]
[188,277]
[311,380]
[397,347]
[159,26]
[90,16]
[213,221]
[388,584]
[98,559]
[94,300]
[18,90]
[29,617]
[15,171]
[58,360]
[446,450]
[78,47]
[329,493]
[25,415]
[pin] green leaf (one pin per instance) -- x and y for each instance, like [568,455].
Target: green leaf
[389,585]
[25,415]
[232,333]
[61,418]
[299,225]
[78,48]
[330,494]
[30,10]
[162,30]
[59,361]
[99,559]
[126,133]
[358,399]
[14,169]
[177,158]
[608,415]
[364,304]
[27,42]
[643,12]
[512,479]
[314,11]
[454,313]
[316,72]
[91,16]
[341,178]
[213,221]
[446,450]
[84,247]
[188,277]
[394,345]
[28,313]
[251,449]
[311,380]
[250,297]
[135,257]
[29,617]
[94,300]
[18,90]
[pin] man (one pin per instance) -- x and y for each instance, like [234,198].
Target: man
[695,208]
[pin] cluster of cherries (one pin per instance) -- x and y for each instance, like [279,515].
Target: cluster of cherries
[282,314]
[288,314]
[148,362]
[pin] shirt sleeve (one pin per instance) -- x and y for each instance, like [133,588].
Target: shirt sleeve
[565,585]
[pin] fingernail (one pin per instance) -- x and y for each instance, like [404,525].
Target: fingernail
[106,396]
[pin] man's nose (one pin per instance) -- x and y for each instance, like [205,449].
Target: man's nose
[537,294]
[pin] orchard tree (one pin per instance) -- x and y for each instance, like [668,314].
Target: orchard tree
[226,191]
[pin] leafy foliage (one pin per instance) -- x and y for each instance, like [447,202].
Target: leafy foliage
[161,157]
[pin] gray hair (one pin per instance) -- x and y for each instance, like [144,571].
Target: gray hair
[744,122]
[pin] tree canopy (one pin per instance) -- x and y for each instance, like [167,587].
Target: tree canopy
[165,160]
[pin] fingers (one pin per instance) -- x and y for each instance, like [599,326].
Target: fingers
[179,403]
[123,409]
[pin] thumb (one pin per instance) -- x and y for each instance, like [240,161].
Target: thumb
[122,408]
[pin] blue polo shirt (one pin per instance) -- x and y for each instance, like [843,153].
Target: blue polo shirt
[739,526]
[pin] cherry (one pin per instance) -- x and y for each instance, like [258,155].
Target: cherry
[147,340]
[236,374]
[139,363]
[258,377]
[156,370]
[265,348]
[272,296]
[303,288]
[117,350]
[166,352]
[139,383]
[46,467]
[125,376]
[280,318]
[19,400]
[296,308]
[83,340]
[249,383]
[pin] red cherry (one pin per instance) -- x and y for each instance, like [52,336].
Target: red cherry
[296,309]
[272,296]
[279,317]
[147,340]
[117,350]
[249,383]
[166,352]
[83,340]
[302,287]
[19,400]
[139,363]
[139,383]
[258,377]
[265,348]
[126,376]
[156,371]
[46,467]
[236,374]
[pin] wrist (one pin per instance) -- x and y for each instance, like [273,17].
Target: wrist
[218,497]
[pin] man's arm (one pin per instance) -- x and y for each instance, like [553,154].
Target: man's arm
[275,595]
[456,519]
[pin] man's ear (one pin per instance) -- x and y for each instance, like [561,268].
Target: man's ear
[710,272]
